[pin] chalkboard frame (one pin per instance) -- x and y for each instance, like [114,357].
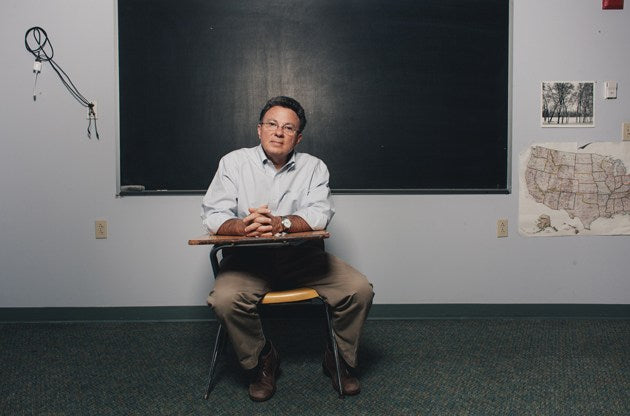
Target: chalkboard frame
[503,185]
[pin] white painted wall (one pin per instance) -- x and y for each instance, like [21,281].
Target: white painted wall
[54,182]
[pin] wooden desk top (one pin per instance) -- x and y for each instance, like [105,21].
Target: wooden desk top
[236,239]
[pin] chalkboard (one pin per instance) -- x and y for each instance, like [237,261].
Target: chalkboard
[401,96]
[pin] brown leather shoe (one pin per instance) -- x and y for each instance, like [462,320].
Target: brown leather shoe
[349,383]
[264,386]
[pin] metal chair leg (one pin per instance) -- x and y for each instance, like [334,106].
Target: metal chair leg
[333,341]
[218,347]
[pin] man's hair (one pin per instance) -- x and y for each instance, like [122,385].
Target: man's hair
[286,102]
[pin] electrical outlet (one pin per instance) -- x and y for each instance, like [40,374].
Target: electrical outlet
[91,111]
[100,229]
[502,227]
[625,131]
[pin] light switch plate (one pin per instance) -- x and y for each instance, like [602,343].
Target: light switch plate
[610,89]
[625,131]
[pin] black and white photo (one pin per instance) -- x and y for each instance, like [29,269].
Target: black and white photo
[567,104]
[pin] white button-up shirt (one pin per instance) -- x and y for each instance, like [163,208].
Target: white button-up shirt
[247,179]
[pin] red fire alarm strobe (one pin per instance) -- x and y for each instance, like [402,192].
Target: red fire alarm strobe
[612,4]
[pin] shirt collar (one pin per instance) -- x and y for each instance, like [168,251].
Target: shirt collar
[265,160]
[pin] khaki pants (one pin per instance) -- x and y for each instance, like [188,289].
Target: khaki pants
[248,273]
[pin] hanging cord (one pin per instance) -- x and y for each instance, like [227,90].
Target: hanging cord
[37,42]
[91,116]
[37,68]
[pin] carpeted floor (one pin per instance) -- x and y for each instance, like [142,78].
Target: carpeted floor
[415,367]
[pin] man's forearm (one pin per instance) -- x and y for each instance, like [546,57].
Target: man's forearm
[298,224]
[234,226]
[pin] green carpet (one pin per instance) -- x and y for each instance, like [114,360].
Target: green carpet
[419,367]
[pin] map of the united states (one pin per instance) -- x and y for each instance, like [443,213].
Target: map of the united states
[587,186]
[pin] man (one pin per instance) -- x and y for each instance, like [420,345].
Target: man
[267,190]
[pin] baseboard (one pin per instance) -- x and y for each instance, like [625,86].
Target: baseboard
[118,313]
[495,310]
[379,311]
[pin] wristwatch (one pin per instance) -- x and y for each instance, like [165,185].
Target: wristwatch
[286,224]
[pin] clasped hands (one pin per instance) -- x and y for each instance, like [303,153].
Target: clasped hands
[261,223]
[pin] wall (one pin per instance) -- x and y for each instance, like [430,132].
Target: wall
[54,182]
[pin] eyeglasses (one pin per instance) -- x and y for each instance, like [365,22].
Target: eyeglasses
[288,129]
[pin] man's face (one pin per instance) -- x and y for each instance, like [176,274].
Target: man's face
[275,134]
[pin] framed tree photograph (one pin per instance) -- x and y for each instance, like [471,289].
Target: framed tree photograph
[567,104]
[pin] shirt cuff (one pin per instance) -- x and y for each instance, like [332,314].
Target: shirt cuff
[315,220]
[215,221]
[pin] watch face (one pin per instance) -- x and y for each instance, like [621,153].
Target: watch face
[286,223]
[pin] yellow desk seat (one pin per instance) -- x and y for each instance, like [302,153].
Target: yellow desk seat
[288,296]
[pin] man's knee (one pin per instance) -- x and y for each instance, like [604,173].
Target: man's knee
[227,302]
[363,292]
[356,291]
